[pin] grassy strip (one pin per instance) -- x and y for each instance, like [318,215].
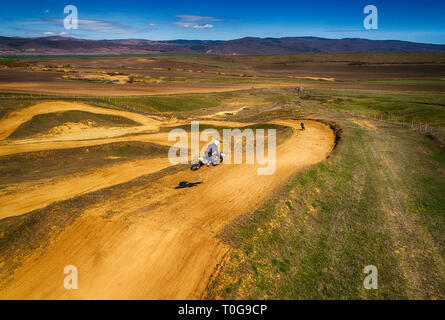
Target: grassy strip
[246,61]
[190,103]
[314,237]
[419,173]
[417,82]
[17,168]
[419,107]
[177,102]
[11,102]
[42,123]
[243,78]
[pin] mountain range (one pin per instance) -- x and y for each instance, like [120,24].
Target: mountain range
[56,45]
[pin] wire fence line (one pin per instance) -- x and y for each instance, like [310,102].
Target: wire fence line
[116,101]
[423,127]
[27,96]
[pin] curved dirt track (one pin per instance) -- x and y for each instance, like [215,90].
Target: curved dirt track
[15,119]
[161,244]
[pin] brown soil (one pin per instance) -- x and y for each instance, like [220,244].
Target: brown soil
[168,234]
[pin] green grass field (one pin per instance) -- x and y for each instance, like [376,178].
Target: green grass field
[416,106]
[379,200]
[247,61]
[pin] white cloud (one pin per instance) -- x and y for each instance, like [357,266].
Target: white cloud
[50,33]
[205,26]
[196,19]
[195,22]
[151,25]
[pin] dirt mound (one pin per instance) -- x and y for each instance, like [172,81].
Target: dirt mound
[15,119]
[71,127]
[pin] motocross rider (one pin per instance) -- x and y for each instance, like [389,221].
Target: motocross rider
[212,154]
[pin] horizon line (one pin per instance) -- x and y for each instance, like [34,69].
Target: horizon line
[246,37]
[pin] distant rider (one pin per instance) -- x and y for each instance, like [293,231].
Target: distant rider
[212,154]
[302,125]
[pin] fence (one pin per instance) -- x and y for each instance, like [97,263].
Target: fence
[436,132]
[118,101]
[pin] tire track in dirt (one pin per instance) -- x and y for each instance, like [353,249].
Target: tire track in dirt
[36,196]
[31,145]
[32,196]
[414,245]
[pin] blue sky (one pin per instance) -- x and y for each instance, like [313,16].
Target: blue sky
[420,20]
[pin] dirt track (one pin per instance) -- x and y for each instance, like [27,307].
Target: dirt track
[161,244]
[94,89]
[8,125]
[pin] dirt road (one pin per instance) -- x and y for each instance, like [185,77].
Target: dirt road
[94,89]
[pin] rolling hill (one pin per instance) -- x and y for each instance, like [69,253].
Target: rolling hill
[249,45]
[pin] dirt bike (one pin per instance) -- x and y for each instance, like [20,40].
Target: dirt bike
[200,163]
